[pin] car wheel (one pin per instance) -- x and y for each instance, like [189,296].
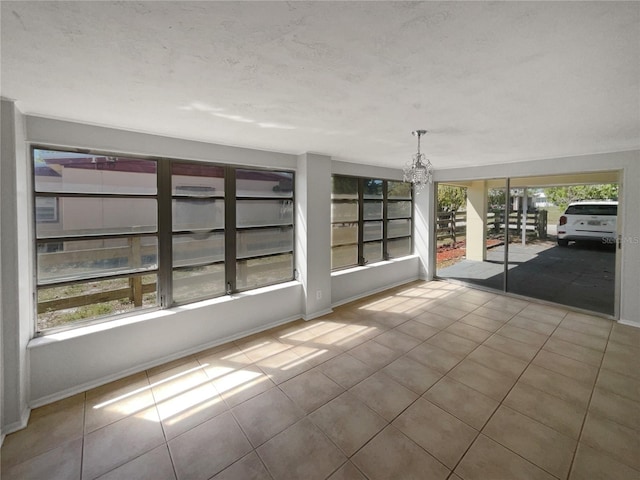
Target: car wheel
[563,243]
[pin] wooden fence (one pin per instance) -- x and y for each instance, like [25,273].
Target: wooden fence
[454,224]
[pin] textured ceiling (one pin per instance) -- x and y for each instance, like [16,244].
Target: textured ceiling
[492,82]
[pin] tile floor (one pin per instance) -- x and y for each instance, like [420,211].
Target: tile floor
[427,381]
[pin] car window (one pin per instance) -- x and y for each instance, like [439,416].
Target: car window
[592,210]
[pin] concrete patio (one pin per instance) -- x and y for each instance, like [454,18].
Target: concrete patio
[580,275]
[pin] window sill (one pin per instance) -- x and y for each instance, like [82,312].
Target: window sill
[371,266]
[85,330]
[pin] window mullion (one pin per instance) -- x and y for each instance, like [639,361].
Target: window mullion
[165,227]
[361,260]
[230,228]
[385,218]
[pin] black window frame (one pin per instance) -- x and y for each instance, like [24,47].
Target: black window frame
[361,221]
[164,197]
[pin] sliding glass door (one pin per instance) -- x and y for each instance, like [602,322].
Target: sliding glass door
[551,238]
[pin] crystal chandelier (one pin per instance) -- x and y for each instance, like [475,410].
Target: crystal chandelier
[419,170]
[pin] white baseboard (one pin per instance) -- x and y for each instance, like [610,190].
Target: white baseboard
[15,426]
[629,323]
[313,315]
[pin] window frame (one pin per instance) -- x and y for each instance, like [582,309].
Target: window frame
[164,268]
[361,221]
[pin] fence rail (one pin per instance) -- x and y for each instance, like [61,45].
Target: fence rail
[454,224]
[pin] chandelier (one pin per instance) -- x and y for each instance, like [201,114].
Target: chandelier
[419,170]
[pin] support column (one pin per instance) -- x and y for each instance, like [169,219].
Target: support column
[16,301]
[313,233]
[424,232]
[476,236]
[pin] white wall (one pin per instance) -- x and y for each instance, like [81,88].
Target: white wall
[68,362]
[313,233]
[16,301]
[354,283]
[628,163]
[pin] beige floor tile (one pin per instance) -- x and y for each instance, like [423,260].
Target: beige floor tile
[616,440]
[465,403]
[459,303]
[576,352]
[303,449]
[344,338]
[226,352]
[249,467]
[179,362]
[461,329]
[554,412]
[347,472]
[582,339]
[396,340]
[188,409]
[544,313]
[208,448]
[413,375]
[283,366]
[261,346]
[485,380]
[61,463]
[626,335]
[346,370]
[120,442]
[523,351]
[435,357]
[447,310]
[434,320]
[569,367]
[535,325]
[374,354]
[384,395]
[619,384]
[417,330]
[438,432]
[311,390]
[481,322]
[592,464]
[560,386]
[600,327]
[621,362]
[240,385]
[614,407]
[501,362]
[155,465]
[117,400]
[585,318]
[487,459]
[541,445]
[452,343]
[495,314]
[178,380]
[315,355]
[48,428]
[348,422]
[522,335]
[391,455]
[260,426]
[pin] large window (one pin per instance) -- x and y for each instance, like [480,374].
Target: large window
[117,234]
[371,220]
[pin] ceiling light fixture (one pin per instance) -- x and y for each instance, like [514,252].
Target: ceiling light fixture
[419,170]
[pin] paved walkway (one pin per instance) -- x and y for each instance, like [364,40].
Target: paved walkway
[580,275]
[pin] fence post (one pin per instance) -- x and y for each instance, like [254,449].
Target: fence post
[135,283]
[453,226]
[518,223]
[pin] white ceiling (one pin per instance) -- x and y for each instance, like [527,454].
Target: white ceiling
[492,82]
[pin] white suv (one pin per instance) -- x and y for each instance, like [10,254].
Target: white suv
[588,220]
